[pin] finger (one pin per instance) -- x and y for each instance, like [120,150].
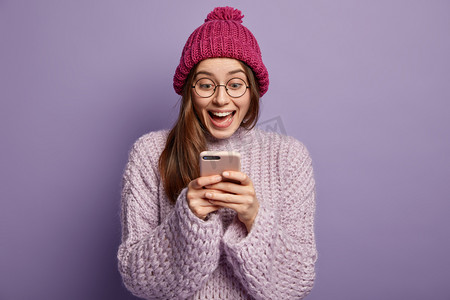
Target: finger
[207,203]
[216,198]
[200,182]
[226,186]
[213,205]
[221,204]
[238,176]
[202,211]
[205,192]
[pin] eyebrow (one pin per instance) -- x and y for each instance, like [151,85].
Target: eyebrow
[211,74]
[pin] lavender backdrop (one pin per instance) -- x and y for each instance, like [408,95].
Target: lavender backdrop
[364,84]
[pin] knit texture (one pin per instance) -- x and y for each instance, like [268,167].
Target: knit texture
[222,35]
[169,253]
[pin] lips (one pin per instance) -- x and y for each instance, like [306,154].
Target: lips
[221,119]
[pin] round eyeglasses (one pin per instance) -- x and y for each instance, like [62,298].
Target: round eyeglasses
[206,87]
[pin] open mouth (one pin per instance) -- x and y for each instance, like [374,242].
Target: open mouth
[221,119]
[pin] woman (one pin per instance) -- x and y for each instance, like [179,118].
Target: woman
[186,236]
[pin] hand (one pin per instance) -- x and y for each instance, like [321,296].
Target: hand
[197,201]
[239,197]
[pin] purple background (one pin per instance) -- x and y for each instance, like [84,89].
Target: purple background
[364,84]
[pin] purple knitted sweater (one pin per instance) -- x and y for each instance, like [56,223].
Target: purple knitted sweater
[169,253]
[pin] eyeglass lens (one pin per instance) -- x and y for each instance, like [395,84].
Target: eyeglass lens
[235,87]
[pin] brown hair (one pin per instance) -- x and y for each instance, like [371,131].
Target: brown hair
[178,163]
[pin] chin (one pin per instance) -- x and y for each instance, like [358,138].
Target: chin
[222,134]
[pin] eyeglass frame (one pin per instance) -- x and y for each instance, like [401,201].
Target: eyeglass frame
[224,85]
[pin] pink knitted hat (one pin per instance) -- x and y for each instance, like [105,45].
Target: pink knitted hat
[222,35]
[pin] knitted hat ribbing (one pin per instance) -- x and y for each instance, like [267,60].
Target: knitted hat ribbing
[222,35]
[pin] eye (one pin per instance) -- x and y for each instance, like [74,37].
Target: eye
[235,84]
[205,84]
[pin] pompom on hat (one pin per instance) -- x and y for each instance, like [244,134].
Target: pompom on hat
[222,35]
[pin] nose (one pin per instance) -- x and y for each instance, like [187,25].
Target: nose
[220,96]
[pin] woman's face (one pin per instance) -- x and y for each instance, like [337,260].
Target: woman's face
[220,113]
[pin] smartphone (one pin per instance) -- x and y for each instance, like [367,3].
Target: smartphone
[216,162]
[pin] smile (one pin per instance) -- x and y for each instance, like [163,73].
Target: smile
[221,119]
[221,114]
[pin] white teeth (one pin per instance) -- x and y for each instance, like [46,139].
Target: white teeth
[221,114]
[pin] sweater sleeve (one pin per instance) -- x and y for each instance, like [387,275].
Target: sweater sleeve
[162,259]
[276,259]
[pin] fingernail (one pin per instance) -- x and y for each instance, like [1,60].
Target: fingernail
[226,174]
[208,195]
[217,178]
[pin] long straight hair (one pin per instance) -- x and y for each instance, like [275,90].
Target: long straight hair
[179,161]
